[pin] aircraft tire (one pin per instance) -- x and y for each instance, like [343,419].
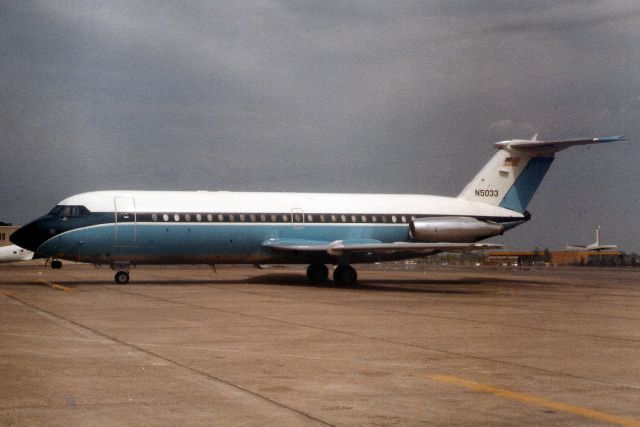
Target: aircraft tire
[122,278]
[317,273]
[56,264]
[345,275]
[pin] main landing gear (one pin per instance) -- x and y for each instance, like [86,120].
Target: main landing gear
[317,273]
[56,264]
[122,277]
[343,275]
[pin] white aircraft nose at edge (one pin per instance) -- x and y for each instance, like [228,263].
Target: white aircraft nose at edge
[11,253]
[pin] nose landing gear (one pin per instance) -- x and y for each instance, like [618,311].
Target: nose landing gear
[122,277]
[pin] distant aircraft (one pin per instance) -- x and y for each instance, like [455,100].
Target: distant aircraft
[11,253]
[124,228]
[596,246]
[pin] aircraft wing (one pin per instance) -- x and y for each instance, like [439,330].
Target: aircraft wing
[595,248]
[340,247]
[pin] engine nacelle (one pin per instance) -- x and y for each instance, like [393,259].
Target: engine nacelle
[456,229]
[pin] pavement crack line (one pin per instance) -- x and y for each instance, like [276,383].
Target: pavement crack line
[388,341]
[105,338]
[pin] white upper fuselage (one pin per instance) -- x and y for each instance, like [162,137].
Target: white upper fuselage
[249,202]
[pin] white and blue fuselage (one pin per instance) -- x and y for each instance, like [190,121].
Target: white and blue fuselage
[157,227]
[122,228]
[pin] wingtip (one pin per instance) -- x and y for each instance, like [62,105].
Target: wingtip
[611,139]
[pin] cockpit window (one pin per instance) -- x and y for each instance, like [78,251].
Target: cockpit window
[62,211]
[55,211]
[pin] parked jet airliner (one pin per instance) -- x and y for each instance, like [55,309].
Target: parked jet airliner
[124,228]
[595,246]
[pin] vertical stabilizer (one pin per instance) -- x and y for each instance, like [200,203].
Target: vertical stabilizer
[509,180]
[514,173]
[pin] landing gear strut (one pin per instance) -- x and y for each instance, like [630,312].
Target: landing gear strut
[122,277]
[345,275]
[317,273]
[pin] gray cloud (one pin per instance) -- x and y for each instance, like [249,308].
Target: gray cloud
[351,96]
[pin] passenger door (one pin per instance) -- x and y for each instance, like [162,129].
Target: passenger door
[125,220]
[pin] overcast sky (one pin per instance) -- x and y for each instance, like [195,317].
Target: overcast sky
[331,95]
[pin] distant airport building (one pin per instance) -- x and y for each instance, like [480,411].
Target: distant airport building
[555,258]
[6,230]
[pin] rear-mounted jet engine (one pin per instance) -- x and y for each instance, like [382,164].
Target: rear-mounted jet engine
[452,229]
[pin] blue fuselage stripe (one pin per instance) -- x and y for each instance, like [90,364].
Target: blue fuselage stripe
[181,240]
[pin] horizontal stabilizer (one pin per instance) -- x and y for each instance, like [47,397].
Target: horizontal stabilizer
[553,146]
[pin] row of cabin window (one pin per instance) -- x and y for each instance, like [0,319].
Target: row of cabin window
[297,218]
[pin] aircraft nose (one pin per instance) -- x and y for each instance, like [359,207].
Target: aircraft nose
[30,236]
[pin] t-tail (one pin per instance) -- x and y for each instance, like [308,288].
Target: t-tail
[512,176]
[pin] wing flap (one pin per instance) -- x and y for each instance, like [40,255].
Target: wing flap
[337,248]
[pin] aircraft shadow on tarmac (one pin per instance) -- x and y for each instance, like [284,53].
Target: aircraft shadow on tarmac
[412,285]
